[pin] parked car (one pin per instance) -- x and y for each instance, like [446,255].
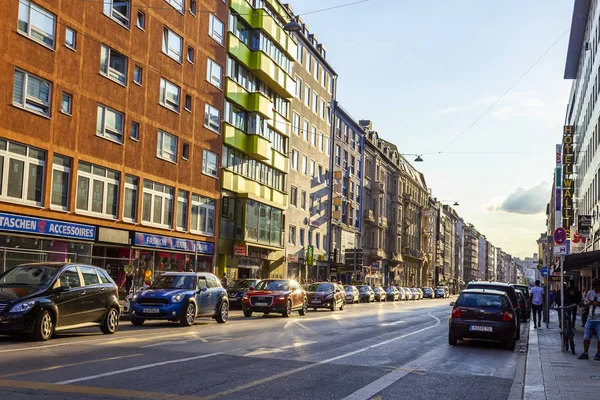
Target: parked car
[421,294]
[367,294]
[503,287]
[440,293]
[415,294]
[326,295]
[428,293]
[523,305]
[352,294]
[183,297]
[409,294]
[392,293]
[380,294]
[282,296]
[525,290]
[43,298]
[445,289]
[402,295]
[236,290]
[483,314]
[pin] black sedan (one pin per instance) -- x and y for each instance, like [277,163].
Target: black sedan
[483,314]
[236,290]
[392,293]
[428,293]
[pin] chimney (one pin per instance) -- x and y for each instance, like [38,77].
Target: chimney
[366,124]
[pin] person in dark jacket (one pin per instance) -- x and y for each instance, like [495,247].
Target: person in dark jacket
[572,297]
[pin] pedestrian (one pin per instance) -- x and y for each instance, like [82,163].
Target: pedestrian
[572,297]
[583,310]
[537,304]
[224,280]
[592,325]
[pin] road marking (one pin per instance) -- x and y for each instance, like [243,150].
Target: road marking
[122,371]
[167,343]
[392,323]
[265,350]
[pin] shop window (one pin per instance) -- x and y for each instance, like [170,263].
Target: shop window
[21,173]
[61,182]
[97,190]
[131,198]
[182,209]
[157,204]
[203,215]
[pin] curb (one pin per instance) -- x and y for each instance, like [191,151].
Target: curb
[533,388]
[517,388]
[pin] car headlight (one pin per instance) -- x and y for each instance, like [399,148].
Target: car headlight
[23,307]
[135,297]
[281,298]
[177,298]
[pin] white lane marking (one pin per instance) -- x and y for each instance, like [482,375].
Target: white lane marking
[168,342]
[264,350]
[392,323]
[122,371]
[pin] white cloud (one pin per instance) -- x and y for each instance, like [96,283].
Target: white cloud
[454,109]
[525,201]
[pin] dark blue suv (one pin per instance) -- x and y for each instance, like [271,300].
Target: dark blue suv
[181,296]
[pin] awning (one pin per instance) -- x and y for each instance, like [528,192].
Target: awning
[589,259]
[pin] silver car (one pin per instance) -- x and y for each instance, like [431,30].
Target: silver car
[352,294]
[409,294]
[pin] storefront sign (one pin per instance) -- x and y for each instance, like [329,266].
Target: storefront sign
[205,247]
[39,226]
[375,266]
[113,235]
[163,242]
[584,223]
[310,255]
[293,258]
[568,183]
[240,250]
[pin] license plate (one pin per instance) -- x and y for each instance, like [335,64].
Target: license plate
[233,299]
[151,310]
[261,304]
[480,328]
[315,301]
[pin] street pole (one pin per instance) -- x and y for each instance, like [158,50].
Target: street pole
[562,299]
[330,249]
[547,308]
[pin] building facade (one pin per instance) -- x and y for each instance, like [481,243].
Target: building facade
[110,135]
[471,253]
[459,255]
[258,88]
[447,246]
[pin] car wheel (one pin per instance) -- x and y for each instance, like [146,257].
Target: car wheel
[137,321]
[452,340]
[223,314]
[111,322]
[304,308]
[248,313]
[188,315]
[288,309]
[342,306]
[43,328]
[518,335]
[510,345]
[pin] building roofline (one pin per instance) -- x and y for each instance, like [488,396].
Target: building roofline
[581,10]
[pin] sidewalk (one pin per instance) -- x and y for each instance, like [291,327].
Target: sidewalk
[552,374]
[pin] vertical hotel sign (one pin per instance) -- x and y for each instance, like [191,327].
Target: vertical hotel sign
[568,184]
[558,187]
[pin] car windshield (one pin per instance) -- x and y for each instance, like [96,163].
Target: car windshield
[38,275]
[364,289]
[175,282]
[241,284]
[273,285]
[320,287]
[480,300]
[390,289]
[349,288]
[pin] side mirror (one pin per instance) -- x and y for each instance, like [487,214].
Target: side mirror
[452,304]
[62,289]
[203,289]
[251,288]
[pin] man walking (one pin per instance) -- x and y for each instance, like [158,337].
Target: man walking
[592,326]
[572,297]
[537,304]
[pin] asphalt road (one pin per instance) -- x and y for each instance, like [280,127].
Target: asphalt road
[384,350]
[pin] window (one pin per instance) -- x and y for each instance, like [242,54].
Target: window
[317,240]
[182,210]
[315,103]
[177,4]
[345,166]
[66,103]
[323,109]
[70,278]
[172,44]
[312,168]
[97,190]
[203,215]
[157,204]
[210,162]
[305,130]
[338,155]
[309,62]
[130,199]
[212,118]
[300,54]
[304,165]
[185,151]
[135,131]
[169,95]
[190,54]
[61,178]
[21,173]
[352,164]
[321,141]
[70,38]
[90,277]
[214,73]
[313,136]
[310,236]
[32,93]
[302,231]
[166,147]
[109,124]
[141,20]
[215,29]
[327,146]
[113,65]
[193,7]
[296,124]
[307,95]
[295,160]
[37,23]
[299,88]
[188,103]
[303,200]
[294,196]
[137,75]
[292,235]
[118,10]
[238,163]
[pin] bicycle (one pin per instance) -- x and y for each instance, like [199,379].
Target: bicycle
[567,332]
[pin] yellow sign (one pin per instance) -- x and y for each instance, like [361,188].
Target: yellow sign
[128,269]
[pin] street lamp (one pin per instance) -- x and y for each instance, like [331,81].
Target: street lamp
[417,159]
[292,26]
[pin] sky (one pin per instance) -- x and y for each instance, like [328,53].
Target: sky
[424,71]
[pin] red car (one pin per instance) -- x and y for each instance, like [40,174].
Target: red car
[275,295]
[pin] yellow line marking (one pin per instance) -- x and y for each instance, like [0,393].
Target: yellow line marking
[68,365]
[139,339]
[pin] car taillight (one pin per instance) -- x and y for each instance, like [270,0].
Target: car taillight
[455,312]
[508,316]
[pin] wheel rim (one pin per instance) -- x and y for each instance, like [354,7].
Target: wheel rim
[224,312]
[46,325]
[289,307]
[113,320]
[189,316]
[305,306]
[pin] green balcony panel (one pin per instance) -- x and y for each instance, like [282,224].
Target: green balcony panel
[254,102]
[255,146]
[239,184]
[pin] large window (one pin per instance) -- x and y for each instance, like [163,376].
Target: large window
[305,165]
[170,95]
[292,235]
[203,215]
[216,29]
[109,124]
[295,160]
[37,23]
[212,118]
[294,196]
[32,93]
[299,88]
[252,169]
[172,44]
[263,223]
[21,173]
[177,4]
[296,124]
[166,147]
[313,136]
[118,10]
[251,123]
[131,198]
[113,65]
[210,163]
[97,190]
[157,204]
[182,209]
[214,73]
[338,157]
[61,178]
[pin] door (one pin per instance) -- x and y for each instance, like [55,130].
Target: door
[69,302]
[216,293]
[296,295]
[93,297]
[203,300]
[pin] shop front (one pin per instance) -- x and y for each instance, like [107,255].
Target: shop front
[26,239]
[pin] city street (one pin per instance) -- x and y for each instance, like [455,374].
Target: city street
[392,350]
